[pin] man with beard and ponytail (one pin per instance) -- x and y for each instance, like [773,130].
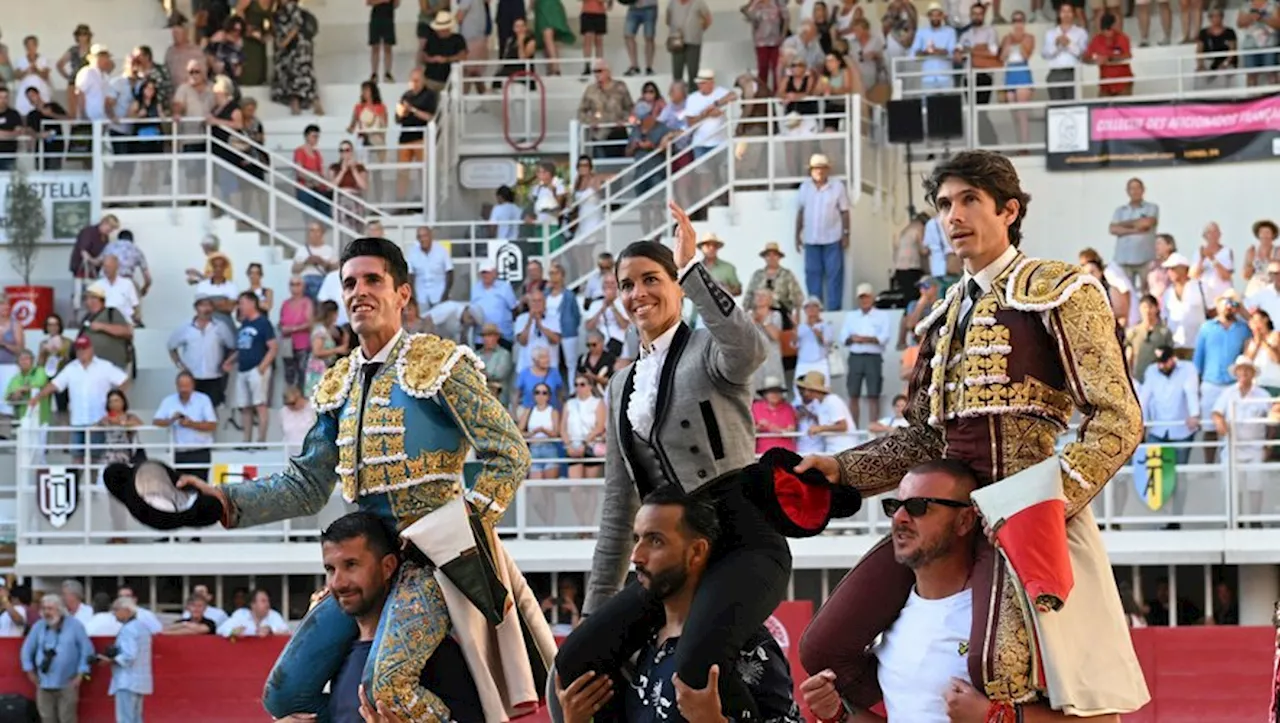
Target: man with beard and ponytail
[674,536]
[1007,358]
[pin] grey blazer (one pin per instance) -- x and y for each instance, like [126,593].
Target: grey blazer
[702,421]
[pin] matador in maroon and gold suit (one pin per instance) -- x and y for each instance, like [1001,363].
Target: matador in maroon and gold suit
[1039,344]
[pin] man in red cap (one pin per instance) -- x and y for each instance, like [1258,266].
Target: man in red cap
[1013,351]
[87,381]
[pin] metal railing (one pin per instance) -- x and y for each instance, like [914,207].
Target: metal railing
[518,110]
[995,122]
[1223,490]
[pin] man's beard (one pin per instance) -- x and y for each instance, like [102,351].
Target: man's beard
[663,583]
[364,604]
[923,555]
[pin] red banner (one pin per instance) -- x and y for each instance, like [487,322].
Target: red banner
[1196,675]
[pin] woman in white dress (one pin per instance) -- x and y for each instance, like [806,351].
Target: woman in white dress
[583,433]
[588,199]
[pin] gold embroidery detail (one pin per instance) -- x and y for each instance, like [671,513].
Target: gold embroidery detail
[425,362]
[1044,281]
[380,390]
[1024,441]
[331,388]
[1011,649]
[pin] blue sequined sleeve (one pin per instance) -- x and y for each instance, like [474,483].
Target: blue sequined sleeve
[300,490]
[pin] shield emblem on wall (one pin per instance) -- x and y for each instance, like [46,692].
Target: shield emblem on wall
[58,495]
[1155,474]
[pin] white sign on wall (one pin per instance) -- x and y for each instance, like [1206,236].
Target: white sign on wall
[69,202]
[508,259]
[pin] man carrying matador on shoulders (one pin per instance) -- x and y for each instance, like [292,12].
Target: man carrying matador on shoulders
[1006,358]
[395,421]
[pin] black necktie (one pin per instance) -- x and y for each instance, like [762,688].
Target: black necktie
[973,291]
[367,373]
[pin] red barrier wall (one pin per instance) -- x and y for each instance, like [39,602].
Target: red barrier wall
[1196,675]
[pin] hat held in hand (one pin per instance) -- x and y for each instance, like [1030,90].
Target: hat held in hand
[151,494]
[798,505]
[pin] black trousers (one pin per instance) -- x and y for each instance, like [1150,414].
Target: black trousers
[744,581]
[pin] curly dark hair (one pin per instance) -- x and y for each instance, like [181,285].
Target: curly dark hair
[989,172]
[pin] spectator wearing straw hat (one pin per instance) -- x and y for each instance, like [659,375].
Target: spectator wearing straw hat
[935,43]
[440,50]
[826,427]
[723,272]
[778,279]
[815,337]
[822,232]
[773,415]
[1238,416]
[866,332]
[498,365]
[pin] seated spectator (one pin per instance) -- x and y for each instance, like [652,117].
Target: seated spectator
[540,424]
[1143,339]
[825,423]
[1110,51]
[119,444]
[605,107]
[597,362]
[256,620]
[498,367]
[103,624]
[583,434]
[897,420]
[194,622]
[540,371]
[773,415]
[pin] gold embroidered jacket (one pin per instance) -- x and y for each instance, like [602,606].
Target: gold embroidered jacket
[1041,344]
[427,408]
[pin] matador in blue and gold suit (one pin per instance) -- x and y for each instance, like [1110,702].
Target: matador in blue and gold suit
[394,431]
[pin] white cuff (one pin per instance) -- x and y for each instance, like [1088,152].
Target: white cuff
[444,534]
[684,270]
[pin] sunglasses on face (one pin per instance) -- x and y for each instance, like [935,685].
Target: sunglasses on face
[918,506]
[541,393]
[582,384]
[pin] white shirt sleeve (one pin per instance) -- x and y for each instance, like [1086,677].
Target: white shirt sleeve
[276,622]
[116,375]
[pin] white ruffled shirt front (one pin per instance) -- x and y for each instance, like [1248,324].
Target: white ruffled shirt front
[648,375]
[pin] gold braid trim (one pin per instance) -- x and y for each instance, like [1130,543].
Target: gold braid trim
[332,390]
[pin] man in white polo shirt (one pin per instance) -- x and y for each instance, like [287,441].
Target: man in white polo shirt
[923,670]
[118,292]
[87,382]
[93,87]
[190,416]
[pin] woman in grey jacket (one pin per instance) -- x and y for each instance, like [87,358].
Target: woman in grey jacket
[681,414]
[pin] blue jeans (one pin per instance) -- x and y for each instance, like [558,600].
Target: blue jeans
[128,706]
[314,201]
[824,273]
[641,17]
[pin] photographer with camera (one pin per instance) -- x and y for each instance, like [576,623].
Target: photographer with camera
[130,659]
[56,657]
